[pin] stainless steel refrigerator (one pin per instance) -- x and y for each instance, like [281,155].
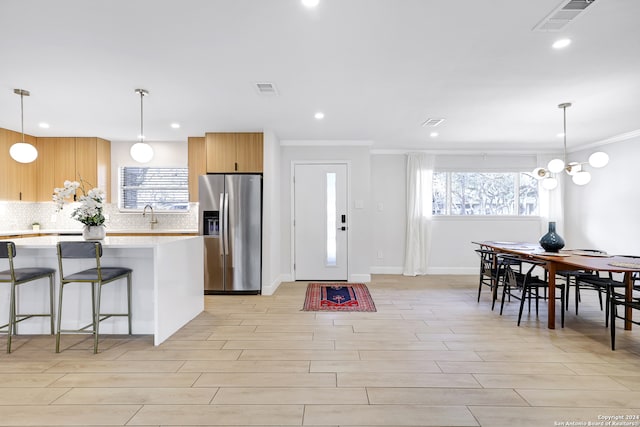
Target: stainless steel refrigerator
[230,221]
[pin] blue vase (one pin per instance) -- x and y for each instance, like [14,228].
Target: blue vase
[552,242]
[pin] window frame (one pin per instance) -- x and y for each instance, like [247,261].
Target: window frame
[517,178]
[156,209]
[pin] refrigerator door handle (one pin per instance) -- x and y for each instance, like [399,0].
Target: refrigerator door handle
[224,227]
[225,235]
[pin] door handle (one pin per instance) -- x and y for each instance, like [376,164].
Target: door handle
[343,228]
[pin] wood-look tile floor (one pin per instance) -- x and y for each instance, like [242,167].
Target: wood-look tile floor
[430,356]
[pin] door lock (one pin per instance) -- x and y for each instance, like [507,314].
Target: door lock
[343,228]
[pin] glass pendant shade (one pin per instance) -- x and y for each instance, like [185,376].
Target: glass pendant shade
[581,178]
[141,152]
[549,183]
[555,166]
[23,152]
[598,159]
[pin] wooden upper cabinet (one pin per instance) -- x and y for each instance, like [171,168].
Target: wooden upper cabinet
[93,163]
[17,180]
[55,164]
[234,152]
[70,159]
[197,162]
[249,152]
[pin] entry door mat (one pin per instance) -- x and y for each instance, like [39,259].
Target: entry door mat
[338,297]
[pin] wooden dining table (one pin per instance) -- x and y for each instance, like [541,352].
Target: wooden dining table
[571,260]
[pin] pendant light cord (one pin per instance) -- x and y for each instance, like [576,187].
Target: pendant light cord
[564,133]
[141,117]
[22,113]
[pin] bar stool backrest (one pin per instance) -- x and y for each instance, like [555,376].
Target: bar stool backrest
[79,250]
[8,250]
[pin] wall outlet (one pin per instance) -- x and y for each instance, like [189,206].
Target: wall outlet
[380,255]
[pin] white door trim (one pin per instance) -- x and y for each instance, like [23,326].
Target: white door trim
[292,231]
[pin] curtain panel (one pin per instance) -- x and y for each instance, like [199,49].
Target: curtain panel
[419,213]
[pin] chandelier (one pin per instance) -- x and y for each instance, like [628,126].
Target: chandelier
[141,151]
[579,176]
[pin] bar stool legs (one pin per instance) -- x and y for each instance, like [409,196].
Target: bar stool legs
[96,315]
[15,317]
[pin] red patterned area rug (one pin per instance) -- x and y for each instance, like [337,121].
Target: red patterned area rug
[338,297]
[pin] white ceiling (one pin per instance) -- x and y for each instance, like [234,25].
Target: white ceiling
[376,68]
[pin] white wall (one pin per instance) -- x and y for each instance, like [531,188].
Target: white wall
[604,214]
[388,201]
[359,187]
[271,208]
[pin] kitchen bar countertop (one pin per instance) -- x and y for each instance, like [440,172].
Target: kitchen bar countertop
[108,242]
[30,232]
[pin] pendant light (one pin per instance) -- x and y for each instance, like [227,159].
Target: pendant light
[23,152]
[141,152]
[579,176]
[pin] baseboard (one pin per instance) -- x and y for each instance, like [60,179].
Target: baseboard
[385,270]
[453,270]
[272,287]
[360,278]
[431,270]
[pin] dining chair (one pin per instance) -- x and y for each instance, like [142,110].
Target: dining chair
[570,278]
[525,286]
[17,277]
[618,299]
[488,270]
[96,277]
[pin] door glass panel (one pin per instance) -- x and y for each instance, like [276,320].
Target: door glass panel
[331,219]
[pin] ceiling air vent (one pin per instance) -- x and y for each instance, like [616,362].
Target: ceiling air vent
[562,15]
[432,122]
[266,88]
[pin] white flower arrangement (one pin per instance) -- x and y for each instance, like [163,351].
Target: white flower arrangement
[91,202]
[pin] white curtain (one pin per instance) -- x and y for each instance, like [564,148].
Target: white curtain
[419,213]
[551,202]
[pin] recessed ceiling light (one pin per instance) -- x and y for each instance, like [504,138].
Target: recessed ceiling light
[175,125]
[44,125]
[310,3]
[433,134]
[559,44]
[319,115]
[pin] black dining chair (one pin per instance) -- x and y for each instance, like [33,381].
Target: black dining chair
[618,299]
[96,277]
[591,282]
[525,287]
[491,271]
[17,277]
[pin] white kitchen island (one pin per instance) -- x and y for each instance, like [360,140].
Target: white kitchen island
[167,284]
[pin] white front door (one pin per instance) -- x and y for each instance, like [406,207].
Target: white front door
[320,221]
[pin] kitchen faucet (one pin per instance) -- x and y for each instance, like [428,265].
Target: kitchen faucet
[153,219]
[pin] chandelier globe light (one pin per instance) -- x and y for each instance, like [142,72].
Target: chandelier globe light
[141,152]
[22,151]
[579,176]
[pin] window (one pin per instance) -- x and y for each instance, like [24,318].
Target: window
[165,189]
[484,193]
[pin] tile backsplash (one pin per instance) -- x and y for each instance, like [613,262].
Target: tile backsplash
[20,215]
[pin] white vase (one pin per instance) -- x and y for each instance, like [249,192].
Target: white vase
[94,232]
